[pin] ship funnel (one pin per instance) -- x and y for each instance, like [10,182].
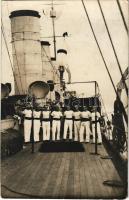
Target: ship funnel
[26,49]
[38,89]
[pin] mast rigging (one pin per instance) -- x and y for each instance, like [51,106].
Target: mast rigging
[118,63]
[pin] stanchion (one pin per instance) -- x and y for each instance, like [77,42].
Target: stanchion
[95,105]
[32,127]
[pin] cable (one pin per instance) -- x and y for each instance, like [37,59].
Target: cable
[118,63]
[119,6]
[124,112]
[2,29]
[12,65]
[24,63]
[54,69]
[18,66]
[98,46]
[16,56]
[20,193]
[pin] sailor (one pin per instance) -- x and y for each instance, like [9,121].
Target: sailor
[99,137]
[77,123]
[68,124]
[102,124]
[56,114]
[85,125]
[109,130]
[27,123]
[36,115]
[46,123]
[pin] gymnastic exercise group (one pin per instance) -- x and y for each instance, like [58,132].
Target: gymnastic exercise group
[77,124]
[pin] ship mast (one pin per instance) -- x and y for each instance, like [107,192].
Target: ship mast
[53,16]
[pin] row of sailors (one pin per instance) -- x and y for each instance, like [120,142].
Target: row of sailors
[80,120]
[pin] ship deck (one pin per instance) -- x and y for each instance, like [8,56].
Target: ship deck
[59,175]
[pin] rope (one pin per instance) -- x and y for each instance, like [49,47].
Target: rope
[102,101]
[54,69]
[125,115]
[2,29]
[99,46]
[18,66]
[119,6]
[21,193]
[16,56]
[24,63]
[118,63]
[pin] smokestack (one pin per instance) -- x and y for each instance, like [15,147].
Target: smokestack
[47,67]
[26,48]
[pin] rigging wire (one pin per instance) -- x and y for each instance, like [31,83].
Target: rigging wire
[121,12]
[18,66]
[9,54]
[49,59]
[2,29]
[102,101]
[16,57]
[124,112]
[99,46]
[118,63]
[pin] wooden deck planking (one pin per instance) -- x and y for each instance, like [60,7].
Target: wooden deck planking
[103,177]
[54,172]
[60,175]
[15,178]
[64,182]
[36,177]
[83,183]
[70,182]
[111,174]
[46,176]
[90,164]
[77,187]
[89,181]
[57,185]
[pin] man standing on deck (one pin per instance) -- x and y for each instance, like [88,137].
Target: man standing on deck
[37,114]
[77,123]
[56,114]
[99,137]
[85,125]
[46,123]
[27,123]
[68,124]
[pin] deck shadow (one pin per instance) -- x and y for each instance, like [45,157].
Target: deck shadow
[61,146]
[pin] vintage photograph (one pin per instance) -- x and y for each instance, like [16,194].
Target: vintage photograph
[64,91]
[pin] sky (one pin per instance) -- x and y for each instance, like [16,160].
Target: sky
[83,57]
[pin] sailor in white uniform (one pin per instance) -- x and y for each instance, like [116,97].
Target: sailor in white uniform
[77,123]
[46,123]
[99,136]
[85,125]
[36,115]
[68,124]
[27,123]
[109,130]
[56,123]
